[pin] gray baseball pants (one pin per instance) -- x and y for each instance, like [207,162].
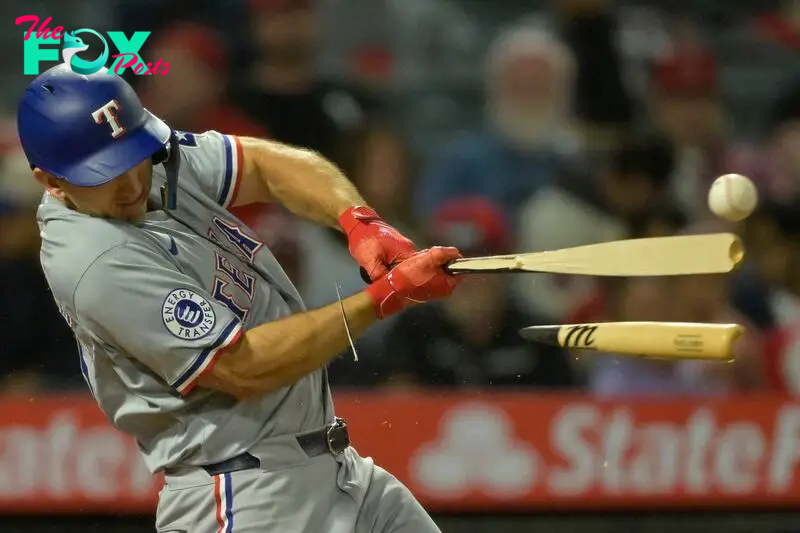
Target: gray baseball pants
[291,493]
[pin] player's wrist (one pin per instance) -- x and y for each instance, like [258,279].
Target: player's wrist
[385,299]
[355,215]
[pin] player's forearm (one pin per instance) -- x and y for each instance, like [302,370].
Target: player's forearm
[306,183]
[277,354]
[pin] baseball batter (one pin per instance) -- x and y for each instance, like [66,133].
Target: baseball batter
[191,337]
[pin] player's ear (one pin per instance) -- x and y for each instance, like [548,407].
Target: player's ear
[51,184]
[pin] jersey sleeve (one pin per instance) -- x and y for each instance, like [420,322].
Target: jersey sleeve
[215,161]
[134,299]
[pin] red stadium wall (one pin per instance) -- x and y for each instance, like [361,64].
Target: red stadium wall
[488,453]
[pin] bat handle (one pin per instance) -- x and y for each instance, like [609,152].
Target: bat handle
[365,276]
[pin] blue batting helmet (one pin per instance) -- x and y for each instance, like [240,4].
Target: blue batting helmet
[87,129]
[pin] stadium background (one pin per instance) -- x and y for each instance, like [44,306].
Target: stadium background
[461,127]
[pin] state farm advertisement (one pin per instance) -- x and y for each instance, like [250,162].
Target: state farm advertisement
[60,455]
[458,452]
[526,452]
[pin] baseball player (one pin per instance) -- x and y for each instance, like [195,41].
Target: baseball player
[191,337]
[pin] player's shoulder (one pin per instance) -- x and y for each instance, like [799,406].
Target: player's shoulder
[72,242]
[195,139]
[202,148]
[194,144]
[198,147]
[210,160]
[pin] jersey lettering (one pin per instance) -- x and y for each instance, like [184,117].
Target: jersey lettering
[220,294]
[213,237]
[245,244]
[243,280]
[108,112]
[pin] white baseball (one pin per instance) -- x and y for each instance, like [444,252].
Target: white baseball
[732,197]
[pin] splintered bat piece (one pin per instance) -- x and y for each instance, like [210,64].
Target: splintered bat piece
[665,340]
[715,253]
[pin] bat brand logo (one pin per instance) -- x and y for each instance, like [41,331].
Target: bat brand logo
[580,336]
[689,343]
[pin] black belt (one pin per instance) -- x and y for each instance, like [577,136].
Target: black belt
[332,439]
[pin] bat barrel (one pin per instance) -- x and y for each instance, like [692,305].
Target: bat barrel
[680,255]
[670,340]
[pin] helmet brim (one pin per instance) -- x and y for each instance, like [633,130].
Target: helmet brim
[118,158]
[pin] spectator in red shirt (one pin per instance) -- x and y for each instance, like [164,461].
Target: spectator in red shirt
[782,26]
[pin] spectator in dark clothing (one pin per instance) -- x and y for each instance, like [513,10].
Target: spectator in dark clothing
[772,240]
[602,100]
[470,339]
[282,91]
[590,208]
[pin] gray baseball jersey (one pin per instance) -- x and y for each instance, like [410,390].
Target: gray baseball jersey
[152,304]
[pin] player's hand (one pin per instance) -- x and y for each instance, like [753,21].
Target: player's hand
[374,244]
[418,279]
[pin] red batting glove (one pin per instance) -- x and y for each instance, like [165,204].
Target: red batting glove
[419,279]
[373,243]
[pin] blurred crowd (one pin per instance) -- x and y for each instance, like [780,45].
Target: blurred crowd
[575,122]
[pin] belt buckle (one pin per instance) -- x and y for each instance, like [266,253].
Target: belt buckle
[338,428]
